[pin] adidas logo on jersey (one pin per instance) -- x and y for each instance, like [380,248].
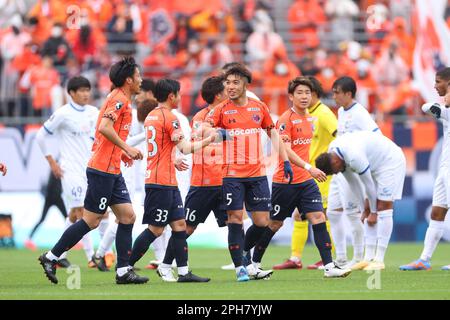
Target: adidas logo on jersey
[301,141]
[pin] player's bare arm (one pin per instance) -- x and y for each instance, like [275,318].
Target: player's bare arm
[3,168]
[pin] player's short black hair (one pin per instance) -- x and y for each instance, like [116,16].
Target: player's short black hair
[148,85]
[229,65]
[122,70]
[347,84]
[294,83]
[76,83]
[316,86]
[164,87]
[212,87]
[239,70]
[323,162]
[144,108]
[444,74]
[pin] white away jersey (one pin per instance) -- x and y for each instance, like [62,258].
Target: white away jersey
[444,117]
[356,118]
[365,149]
[74,126]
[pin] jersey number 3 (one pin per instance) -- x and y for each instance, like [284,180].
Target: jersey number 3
[151,136]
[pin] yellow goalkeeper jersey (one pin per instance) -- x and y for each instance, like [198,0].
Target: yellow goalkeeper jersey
[325,125]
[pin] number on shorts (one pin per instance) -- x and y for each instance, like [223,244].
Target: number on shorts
[229,199]
[277,209]
[76,191]
[102,205]
[190,215]
[151,140]
[161,215]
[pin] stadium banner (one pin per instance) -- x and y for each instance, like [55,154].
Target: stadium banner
[432,50]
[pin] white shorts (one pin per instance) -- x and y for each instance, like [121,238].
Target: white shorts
[441,189]
[389,181]
[340,196]
[74,188]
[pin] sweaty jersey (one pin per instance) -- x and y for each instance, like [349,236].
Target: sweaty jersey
[74,126]
[207,162]
[106,155]
[163,131]
[244,124]
[355,118]
[297,130]
[325,124]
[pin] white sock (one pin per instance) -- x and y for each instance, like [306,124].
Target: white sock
[330,265]
[434,234]
[295,259]
[338,233]
[107,240]
[122,271]
[358,235]
[51,256]
[182,271]
[102,227]
[370,240]
[160,244]
[63,256]
[87,246]
[165,266]
[256,265]
[385,225]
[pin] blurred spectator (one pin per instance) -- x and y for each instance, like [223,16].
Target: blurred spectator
[263,42]
[159,63]
[305,18]
[86,43]
[121,31]
[307,63]
[9,9]
[102,10]
[341,14]
[40,80]
[57,48]
[183,33]
[377,25]
[44,14]
[399,34]
[214,24]
[366,94]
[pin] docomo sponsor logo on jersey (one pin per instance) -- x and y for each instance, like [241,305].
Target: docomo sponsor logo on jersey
[241,132]
[301,141]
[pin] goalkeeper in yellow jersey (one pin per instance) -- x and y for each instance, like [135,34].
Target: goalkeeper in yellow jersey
[325,129]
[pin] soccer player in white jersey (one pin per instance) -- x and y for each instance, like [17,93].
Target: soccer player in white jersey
[377,163]
[74,125]
[441,190]
[352,117]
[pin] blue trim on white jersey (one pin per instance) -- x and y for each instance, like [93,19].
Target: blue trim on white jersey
[354,103]
[79,110]
[364,171]
[376,129]
[48,131]
[340,153]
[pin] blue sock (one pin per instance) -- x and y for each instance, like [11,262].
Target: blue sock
[180,248]
[235,243]
[141,245]
[70,237]
[323,242]
[123,244]
[262,244]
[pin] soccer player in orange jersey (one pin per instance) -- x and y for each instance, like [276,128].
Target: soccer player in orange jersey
[106,186]
[244,174]
[205,192]
[296,130]
[163,204]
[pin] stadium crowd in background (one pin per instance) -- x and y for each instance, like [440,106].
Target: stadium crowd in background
[45,42]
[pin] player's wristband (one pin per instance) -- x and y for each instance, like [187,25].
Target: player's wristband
[307,166]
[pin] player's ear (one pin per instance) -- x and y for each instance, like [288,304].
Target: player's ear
[291,97]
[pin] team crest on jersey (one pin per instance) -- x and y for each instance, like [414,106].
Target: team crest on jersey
[175,124]
[119,105]
[230,112]
[256,118]
[282,127]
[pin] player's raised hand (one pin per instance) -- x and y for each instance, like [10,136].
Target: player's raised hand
[3,169]
[318,174]
[180,164]
[126,160]
[134,153]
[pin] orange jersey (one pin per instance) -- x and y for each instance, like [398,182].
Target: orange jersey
[163,131]
[298,131]
[106,155]
[243,154]
[207,162]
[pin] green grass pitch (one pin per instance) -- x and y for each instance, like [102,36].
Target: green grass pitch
[21,277]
